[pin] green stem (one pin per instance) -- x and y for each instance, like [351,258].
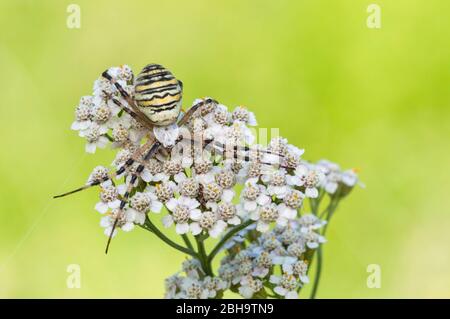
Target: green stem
[318,272]
[332,206]
[148,225]
[187,242]
[202,256]
[109,137]
[315,202]
[225,238]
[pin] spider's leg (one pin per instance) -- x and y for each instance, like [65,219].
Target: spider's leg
[247,158]
[143,119]
[134,176]
[133,114]
[88,185]
[187,116]
[97,182]
[112,176]
[150,144]
[111,234]
[236,148]
[216,145]
[123,202]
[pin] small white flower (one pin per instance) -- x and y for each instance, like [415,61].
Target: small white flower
[243,115]
[313,239]
[99,173]
[291,203]
[183,151]
[144,174]
[217,133]
[267,214]
[108,199]
[167,135]
[83,114]
[204,171]
[239,168]
[286,285]
[124,221]
[209,222]
[263,263]
[227,212]
[153,171]
[249,286]
[237,134]
[332,175]
[310,222]
[137,131]
[173,168]
[212,193]
[253,196]
[212,285]
[192,289]
[277,184]
[308,178]
[188,187]
[122,72]
[299,268]
[220,116]
[141,203]
[192,267]
[278,145]
[171,285]
[183,210]
[121,157]
[95,137]
[164,191]
[104,89]
[294,150]
[349,178]
[105,114]
[226,179]
[284,260]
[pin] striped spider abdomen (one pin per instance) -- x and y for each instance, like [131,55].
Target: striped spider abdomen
[158,94]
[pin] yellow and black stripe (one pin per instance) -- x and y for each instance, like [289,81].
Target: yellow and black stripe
[158,93]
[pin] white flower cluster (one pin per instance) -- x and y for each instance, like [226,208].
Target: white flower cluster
[99,120]
[276,260]
[195,183]
[195,186]
[195,285]
[333,176]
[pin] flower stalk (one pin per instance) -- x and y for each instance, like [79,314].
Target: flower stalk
[225,239]
[153,229]
[329,211]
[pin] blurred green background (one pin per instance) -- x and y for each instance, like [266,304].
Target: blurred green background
[376,99]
